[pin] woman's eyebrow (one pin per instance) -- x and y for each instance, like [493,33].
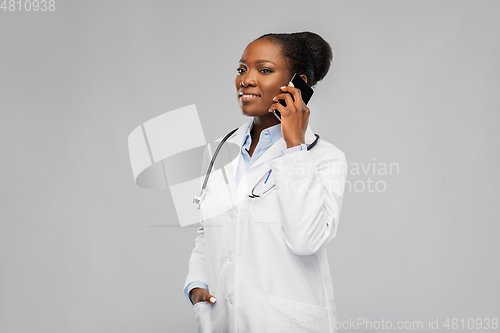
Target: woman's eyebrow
[258,61]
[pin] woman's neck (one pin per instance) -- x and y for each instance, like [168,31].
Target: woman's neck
[259,124]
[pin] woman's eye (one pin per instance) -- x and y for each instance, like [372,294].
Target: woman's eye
[266,71]
[240,70]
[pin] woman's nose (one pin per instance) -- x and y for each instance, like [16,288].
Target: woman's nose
[248,80]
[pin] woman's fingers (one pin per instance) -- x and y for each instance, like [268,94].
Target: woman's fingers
[289,100]
[287,97]
[297,96]
[202,295]
[279,107]
[288,110]
[210,298]
[293,98]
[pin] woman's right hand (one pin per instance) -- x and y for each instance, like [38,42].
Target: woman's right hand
[201,295]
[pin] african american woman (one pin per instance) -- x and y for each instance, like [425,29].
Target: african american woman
[260,262]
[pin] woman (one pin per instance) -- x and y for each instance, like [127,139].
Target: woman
[260,264]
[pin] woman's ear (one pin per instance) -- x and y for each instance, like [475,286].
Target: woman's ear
[303,77]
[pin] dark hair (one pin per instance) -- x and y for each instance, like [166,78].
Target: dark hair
[308,53]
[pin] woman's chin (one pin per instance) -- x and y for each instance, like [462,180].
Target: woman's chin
[252,112]
[247,113]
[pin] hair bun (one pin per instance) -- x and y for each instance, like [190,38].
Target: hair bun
[322,53]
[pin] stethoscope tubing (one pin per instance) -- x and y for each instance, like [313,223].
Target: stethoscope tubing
[209,170]
[199,197]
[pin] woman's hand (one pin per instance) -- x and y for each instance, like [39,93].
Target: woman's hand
[201,295]
[294,117]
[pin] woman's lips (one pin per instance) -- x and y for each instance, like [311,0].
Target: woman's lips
[248,97]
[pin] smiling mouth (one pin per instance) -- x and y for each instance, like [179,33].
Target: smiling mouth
[248,97]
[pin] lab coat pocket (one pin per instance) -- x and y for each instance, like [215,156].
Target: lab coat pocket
[286,315]
[266,209]
[202,312]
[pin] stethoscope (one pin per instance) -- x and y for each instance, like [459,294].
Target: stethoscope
[198,198]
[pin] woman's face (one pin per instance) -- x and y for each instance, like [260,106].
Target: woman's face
[263,71]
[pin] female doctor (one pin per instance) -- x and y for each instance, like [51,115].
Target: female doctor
[259,262]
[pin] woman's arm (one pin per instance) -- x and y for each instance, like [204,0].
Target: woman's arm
[310,193]
[197,265]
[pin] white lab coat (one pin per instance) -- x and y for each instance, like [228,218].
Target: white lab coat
[264,258]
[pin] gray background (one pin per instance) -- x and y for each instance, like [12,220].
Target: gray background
[83,249]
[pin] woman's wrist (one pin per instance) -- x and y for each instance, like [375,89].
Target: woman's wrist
[290,144]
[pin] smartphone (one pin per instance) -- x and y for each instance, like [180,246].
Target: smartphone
[305,90]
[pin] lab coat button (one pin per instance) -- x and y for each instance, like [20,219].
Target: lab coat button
[230,298]
[232,215]
[231,257]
